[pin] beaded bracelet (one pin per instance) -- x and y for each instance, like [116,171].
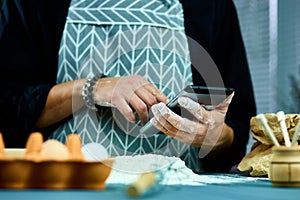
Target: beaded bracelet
[87,92]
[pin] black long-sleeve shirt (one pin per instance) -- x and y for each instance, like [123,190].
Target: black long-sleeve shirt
[30,32]
[214,24]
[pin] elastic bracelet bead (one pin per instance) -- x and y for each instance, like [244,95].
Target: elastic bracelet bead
[87,92]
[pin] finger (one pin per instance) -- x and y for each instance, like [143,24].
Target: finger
[174,123]
[146,95]
[200,113]
[140,107]
[175,133]
[123,106]
[181,136]
[162,118]
[154,91]
[159,95]
[161,128]
[127,101]
[187,126]
[225,104]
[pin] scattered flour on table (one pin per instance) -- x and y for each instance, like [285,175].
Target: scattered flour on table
[169,170]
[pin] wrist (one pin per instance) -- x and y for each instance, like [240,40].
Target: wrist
[77,87]
[87,91]
[225,140]
[227,136]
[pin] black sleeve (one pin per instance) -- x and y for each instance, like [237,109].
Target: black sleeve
[214,24]
[30,32]
[20,107]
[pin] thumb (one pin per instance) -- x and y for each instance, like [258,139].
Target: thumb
[225,103]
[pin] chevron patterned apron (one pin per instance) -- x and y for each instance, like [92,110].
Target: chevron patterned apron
[125,37]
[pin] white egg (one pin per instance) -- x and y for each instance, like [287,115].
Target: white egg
[53,149]
[94,152]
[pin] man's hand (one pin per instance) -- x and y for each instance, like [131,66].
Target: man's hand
[202,131]
[129,94]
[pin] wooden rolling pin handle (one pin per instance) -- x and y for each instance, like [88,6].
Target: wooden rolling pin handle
[143,183]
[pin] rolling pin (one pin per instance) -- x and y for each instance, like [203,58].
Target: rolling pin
[142,184]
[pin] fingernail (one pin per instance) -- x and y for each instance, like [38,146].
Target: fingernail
[154,109]
[165,110]
[167,101]
[230,99]
[211,123]
[182,101]
[160,105]
[198,114]
[153,121]
[191,130]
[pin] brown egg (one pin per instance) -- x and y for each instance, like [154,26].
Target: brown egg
[54,150]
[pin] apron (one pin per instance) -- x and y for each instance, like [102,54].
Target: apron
[125,37]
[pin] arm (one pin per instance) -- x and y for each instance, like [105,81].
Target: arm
[228,51]
[31,99]
[128,94]
[214,24]
[30,34]
[62,100]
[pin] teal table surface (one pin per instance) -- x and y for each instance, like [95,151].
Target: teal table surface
[252,190]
